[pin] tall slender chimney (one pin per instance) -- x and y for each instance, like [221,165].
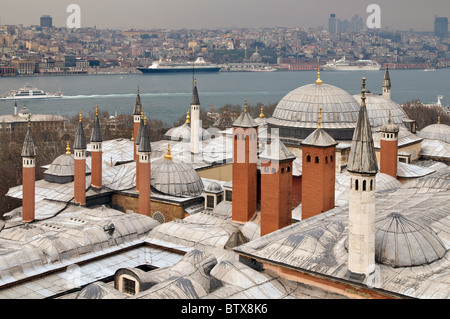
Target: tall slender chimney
[276,187]
[96,153]
[136,148]
[79,149]
[387,84]
[245,135]
[363,167]
[389,148]
[28,176]
[195,120]
[144,171]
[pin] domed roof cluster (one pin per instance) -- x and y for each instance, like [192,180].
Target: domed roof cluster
[183,132]
[175,178]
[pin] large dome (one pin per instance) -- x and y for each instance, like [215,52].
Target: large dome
[436,132]
[175,178]
[378,108]
[297,114]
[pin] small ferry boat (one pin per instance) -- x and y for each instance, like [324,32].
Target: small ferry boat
[29,92]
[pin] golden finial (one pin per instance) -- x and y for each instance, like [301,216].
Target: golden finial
[439,120]
[111,162]
[29,120]
[212,108]
[245,106]
[145,119]
[318,81]
[195,81]
[142,114]
[138,90]
[168,155]
[261,115]
[188,118]
[96,109]
[320,118]
[67,148]
[80,115]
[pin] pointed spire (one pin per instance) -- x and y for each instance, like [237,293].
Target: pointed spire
[195,99]
[96,135]
[137,105]
[320,118]
[141,128]
[28,149]
[387,79]
[362,157]
[245,106]
[80,139]
[188,118]
[318,81]
[144,142]
[168,155]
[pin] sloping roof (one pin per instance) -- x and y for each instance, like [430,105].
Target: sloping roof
[28,149]
[277,151]
[80,139]
[96,135]
[319,138]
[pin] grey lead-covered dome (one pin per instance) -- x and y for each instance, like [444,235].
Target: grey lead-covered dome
[61,170]
[436,132]
[175,178]
[298,111]
[378,108]
[402,242]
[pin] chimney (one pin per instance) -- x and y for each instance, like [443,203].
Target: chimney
[96,153]
[79,149]
[363,167]
[389,148]
[144,171]
[28,176]
[136,147]
[318,172]
[245,144]
[195,120]
[137,115]
[276,187]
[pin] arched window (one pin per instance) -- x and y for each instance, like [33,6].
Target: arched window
[326,159]
[288,169]
[364,185]
[282,170]
[356,184]
[331,158]
[316,159]
[308,158]
[371,184]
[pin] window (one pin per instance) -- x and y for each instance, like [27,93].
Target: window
[326,159]
[129,286]
[356,184]
[331,158]
[228,195]
[316,160]
[308,158]
[364,185]
[219,198]
[371,184]
[288,169]
[209,201]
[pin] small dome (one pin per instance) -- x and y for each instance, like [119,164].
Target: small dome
[175,178]
[61,170]
[183,133]
[436,132]
[378,109]
[402,242]
[214,187]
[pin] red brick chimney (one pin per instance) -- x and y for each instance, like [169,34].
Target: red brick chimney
[389,148]
[144,171]
[28,177]
[96,153]
[318,172]
[276,187]
[245,132]
[79,149]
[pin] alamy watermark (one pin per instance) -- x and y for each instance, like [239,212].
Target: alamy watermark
[74,19]
[374,19]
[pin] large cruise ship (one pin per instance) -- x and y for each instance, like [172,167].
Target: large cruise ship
[29,92]
[167,66]
[359,65]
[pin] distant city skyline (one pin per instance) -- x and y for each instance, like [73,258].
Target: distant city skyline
[203,14]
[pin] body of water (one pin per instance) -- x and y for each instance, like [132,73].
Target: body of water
[168,96]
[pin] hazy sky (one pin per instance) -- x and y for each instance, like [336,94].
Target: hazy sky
[211,14]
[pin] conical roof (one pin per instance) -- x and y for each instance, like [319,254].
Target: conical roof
[28,149]
[362,158]
[387,79]
[80,139]
[144,142]
[195,98]
[319,138]
[141,127]
[137,105]
[245,120]
[277,151]
[96,135]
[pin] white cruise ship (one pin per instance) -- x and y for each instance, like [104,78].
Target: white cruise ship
[29,92]
[359,65]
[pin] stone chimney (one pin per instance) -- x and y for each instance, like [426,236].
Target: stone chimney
[363,167]
[144,171]
[195,121]
[389,148]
